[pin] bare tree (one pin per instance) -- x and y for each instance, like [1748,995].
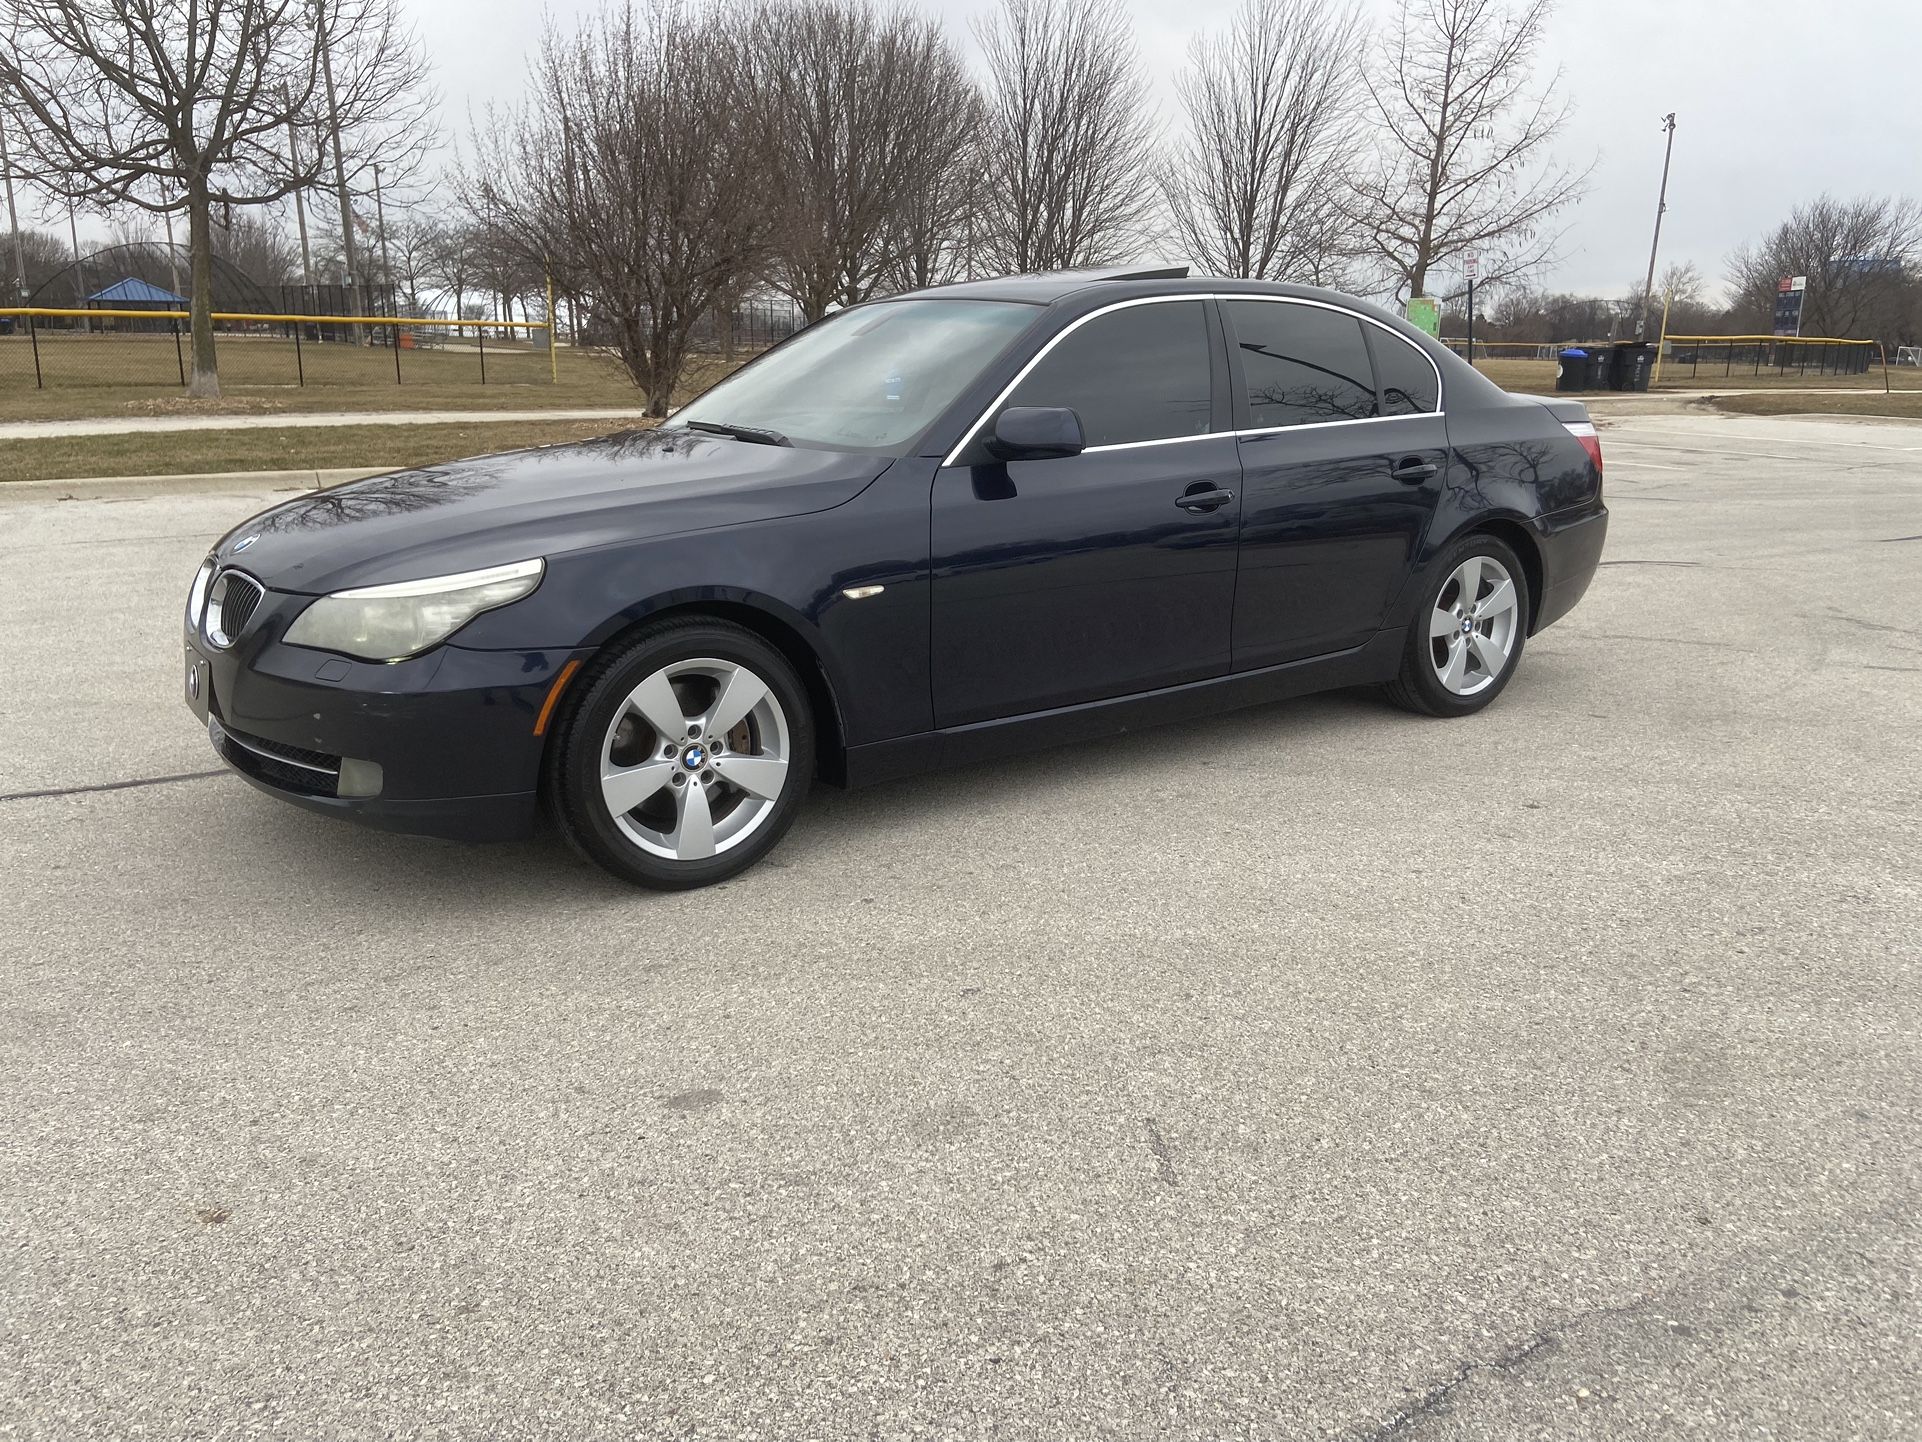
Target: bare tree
[1067,138]
[185,104]
[1859,256]
[864,112]
[1463,164]
[633,164]
[932,232]
[418,240]
[257,248]
[1271,110]
[42,256]
[447,264]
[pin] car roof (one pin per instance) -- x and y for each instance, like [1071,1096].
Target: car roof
[1045,287]
[1079,291]
[1089,288]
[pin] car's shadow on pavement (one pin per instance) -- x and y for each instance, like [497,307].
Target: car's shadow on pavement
[361,868]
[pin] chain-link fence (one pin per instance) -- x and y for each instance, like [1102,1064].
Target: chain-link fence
[1685,360]
[46,349]
[1695,357]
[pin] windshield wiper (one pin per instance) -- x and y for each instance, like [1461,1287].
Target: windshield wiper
[756,435]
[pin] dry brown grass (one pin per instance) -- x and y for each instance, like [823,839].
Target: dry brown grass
[118,375]
[1828,403]
[277,448]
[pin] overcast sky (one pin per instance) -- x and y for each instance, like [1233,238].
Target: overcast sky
[1776,100]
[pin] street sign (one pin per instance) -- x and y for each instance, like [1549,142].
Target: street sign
[1473,265]
[1789,291]
[1424,314]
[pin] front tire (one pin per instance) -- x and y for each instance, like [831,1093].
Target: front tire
[1466,639]
[686,756]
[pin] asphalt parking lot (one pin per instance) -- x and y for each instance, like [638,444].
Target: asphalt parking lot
[1316,1071]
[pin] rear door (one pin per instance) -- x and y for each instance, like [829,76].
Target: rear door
[1343,449]
[1081,577]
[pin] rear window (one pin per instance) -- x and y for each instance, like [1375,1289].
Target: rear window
[1302,364]
[1407,377]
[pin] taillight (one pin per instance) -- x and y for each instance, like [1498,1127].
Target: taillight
[1584,432]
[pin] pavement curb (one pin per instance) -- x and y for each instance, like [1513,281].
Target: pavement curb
[93,488]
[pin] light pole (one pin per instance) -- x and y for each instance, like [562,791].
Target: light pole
[13,222]
[1661,204]
[386,256]
[300,202]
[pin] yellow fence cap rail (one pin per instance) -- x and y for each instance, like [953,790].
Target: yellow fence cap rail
[1782,339]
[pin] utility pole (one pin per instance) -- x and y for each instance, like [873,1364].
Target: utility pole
[1661,204]
[173,256]
[340,173]
[300,203]
[79,265]
[13,221]
[386,255]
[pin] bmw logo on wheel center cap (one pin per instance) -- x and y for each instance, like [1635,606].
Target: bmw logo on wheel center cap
[693,758]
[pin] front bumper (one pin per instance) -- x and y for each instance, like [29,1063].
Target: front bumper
[451,731]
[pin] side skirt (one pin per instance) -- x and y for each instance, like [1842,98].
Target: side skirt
[1371,663]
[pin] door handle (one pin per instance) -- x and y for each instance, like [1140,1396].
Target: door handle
[1413,470]
[1199,501]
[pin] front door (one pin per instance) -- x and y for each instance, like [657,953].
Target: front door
[1110,572]
[1343,451]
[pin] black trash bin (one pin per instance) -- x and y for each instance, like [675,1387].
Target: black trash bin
[1571,370]
[1601,368]
[1630,365]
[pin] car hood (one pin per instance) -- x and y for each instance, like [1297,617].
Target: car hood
[495,509]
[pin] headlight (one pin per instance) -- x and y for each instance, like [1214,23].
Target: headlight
[391,623]
[197,594]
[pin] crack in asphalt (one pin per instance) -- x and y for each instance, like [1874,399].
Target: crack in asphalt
[1435,1399]
[1735,1284]
[1164,1159]
[110,785]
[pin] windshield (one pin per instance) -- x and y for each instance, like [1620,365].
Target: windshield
[869,379]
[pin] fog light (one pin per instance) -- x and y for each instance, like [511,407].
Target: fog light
[359,778]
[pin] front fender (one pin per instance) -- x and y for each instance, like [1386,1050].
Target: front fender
[794,570]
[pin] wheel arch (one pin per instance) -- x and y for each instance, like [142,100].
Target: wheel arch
[1519,539]
[783,633]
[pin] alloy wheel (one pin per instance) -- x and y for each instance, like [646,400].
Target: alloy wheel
[1473,625]
[695,759]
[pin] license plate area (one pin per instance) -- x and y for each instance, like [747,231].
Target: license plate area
[199,684]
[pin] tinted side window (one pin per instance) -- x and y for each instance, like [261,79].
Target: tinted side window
[1138,374]
[1302,364]
[1407,378]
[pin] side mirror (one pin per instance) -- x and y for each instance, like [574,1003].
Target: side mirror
[1032,433]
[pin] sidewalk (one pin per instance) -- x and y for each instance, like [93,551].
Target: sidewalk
[127,425]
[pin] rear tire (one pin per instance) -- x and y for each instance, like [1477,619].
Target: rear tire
[685,756]
[1466,638]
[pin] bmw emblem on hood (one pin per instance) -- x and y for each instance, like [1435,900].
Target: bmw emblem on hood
[244,542]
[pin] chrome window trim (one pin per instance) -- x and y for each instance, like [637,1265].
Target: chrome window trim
[1440,408]
[968,436]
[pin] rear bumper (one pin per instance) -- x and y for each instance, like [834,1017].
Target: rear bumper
[452,732]
[1571,552]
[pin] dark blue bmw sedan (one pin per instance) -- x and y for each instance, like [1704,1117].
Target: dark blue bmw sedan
[923,531]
